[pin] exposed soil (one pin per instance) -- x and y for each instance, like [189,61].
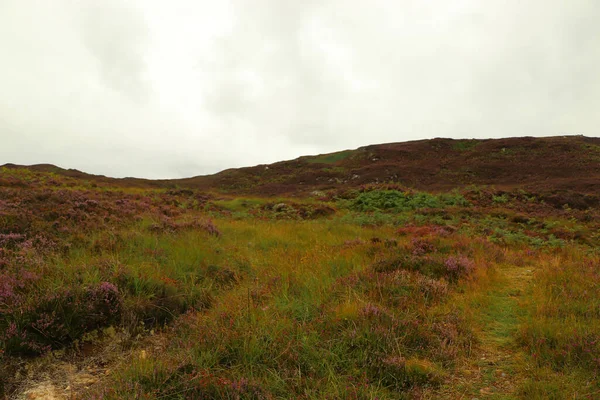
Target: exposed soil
[64,375]
[64,382]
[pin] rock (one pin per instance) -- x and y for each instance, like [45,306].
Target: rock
[280,207]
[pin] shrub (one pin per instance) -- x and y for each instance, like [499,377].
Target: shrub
[168,225]
[394,200]
[41,322]
[373,219]
[500,199]
[458,266]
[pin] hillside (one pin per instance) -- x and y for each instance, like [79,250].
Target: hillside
[538,164]
[562,163]
[82,176]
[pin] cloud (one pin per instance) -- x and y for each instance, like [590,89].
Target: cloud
[171,89]
[115,33]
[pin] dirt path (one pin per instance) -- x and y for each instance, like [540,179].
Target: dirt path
[496,366]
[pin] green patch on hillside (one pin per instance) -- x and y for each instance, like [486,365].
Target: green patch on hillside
[592,150]
[396,201]
[464,145]
[331,158]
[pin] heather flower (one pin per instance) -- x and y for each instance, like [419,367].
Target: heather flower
[457,266]
[210,227]
[10,284]
[240,385]
[10,239]
[11,331]
[421,247]
[105,301]
[371,310]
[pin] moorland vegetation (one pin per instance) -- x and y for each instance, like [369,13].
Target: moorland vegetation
[365,291]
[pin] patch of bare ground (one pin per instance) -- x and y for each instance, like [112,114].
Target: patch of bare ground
[66,375]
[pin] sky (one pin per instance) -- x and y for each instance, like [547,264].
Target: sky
[179,88]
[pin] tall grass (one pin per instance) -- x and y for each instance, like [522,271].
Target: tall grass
[564,326]
[312,319]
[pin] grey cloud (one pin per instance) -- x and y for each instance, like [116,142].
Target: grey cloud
[171,89]
[116,34]
[268,77]
[513,65]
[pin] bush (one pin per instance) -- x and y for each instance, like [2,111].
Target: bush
[42,322]
[394,200]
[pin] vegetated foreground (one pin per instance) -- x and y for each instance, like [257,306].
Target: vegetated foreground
[373,292]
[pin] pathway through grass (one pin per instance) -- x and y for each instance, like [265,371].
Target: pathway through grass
[497,365]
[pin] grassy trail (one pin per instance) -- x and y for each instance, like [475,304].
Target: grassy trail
[497,365]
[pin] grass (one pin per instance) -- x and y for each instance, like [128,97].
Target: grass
[331,158]
[561,330]
[317,320]
[384,294]
[464,144]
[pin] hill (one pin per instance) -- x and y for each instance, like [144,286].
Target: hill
[539,164]
[561,163]
[76,174]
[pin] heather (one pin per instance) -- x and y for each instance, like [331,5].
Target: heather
[378,292]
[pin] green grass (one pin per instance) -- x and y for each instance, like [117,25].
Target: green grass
[331,158]
[465,144]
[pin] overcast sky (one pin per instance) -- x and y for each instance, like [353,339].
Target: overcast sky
[168,89]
